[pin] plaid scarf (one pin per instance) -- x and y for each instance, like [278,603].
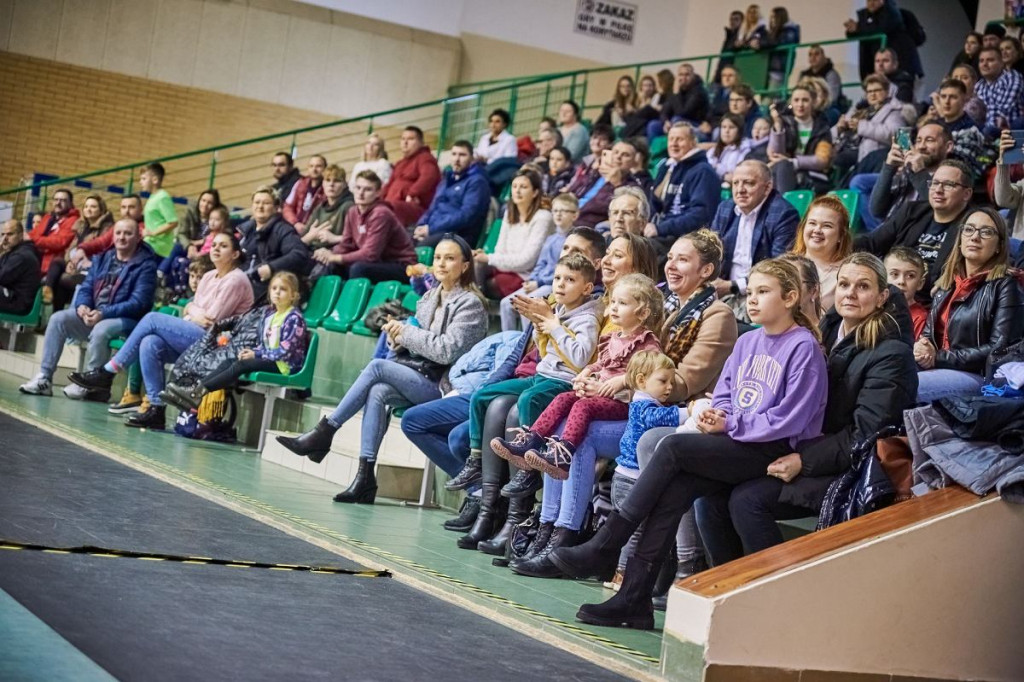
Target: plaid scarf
[681,330]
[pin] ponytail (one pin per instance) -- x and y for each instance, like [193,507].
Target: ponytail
[788,277]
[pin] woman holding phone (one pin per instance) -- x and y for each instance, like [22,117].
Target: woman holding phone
[1011,196]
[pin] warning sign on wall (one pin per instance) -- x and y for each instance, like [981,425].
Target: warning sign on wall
[608,19]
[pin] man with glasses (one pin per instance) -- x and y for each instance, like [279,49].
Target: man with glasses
[929,227]
[741,103]
[285,175]
[721,94]
[756,224]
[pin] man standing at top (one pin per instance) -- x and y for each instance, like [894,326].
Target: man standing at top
[160,218]
[307,193]
[689,103]
[414,179]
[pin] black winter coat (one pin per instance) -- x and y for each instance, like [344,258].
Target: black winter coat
[277,245]
[692,105]
[868,388]
[989,320]
[19,278]
[205,355]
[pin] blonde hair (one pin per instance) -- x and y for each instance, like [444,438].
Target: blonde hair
[833,203]
[567,198]
[788,276]
[808,277]
[335,172]
[956,265]
[289,280]
[869,331]
[644,364]
[642,288]
[709,249]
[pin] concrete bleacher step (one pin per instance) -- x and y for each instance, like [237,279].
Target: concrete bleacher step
[400,465]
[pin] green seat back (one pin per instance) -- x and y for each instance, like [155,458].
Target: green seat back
[350,305]
[726,194]
[425,255]
[754,67]
[505,194]
[659,148]
[492,236]
[302,379]
[850,199]
[410,300]
[169,310]
[383,292]
[29,319]
[322,300]
[800,199]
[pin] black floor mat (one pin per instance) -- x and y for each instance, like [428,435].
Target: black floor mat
[144,620]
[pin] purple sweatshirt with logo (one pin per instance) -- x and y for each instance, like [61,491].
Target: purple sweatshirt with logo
[773,387]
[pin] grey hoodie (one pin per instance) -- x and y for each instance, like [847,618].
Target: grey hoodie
[571,346]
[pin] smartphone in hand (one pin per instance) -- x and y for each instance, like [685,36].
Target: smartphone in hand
[903,138]
[1016,154]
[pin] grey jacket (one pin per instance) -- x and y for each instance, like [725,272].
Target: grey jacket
[462,317]
[571,346]
[940,457]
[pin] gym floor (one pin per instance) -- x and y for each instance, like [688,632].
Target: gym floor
[407,603]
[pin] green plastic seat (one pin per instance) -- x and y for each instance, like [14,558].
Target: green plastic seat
[350,305]
[169,310]
[492,236]
[505,194]
[850,199]
[410,300]
[425,255]
[322,300]
[116,344]
[659,148]
[800,199]
[302,379]
[29,319]
[726,194]
[383,292]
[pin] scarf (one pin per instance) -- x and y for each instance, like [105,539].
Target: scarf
[682,330]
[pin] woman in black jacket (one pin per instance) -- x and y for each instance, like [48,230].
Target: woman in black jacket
[975,312]
[872,379]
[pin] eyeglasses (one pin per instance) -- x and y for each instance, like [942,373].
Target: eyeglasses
[983,232]
[874,91]
[944,185]
[563,210]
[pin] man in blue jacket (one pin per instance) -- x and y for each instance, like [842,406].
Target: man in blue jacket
[686,188]
[756,224]
[115,295]
[461,202]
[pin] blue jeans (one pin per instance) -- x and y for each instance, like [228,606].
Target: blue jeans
[933,384]
[157,340]
[382,385]
[66,325]
[565,502]
[864,183]
[440,429]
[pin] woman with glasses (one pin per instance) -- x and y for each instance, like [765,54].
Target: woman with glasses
[869,125]
[977,310]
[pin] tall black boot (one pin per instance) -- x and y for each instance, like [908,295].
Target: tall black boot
[540,565]
[631,605]
[598,556]
[363,489]
[490,517]
[671,573]
[519,509]
[314,444]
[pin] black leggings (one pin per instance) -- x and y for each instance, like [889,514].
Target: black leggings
[686,467]
[501,415]
[226,375]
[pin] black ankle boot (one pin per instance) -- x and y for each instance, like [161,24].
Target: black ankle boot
[671,573]
[314,444]
[492,515]
[631,605]
[524,484]
[599,556]
[363,489]
[519,509]
[466,517]
[540,565]
[471,474]
[153,418]
[540,541]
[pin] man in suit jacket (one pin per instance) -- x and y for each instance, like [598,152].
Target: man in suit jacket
[757,223]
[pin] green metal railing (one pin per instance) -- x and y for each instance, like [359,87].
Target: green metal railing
[600,82]
[238,167]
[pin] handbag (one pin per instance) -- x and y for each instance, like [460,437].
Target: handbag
[863,488]
[425,366]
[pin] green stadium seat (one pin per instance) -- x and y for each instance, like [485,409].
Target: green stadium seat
[850,199]
[659,148]
[19,323]
[492,236]
[273,386]
[425,255]
[383,292]
[350,305]
[410,300]
[726,194]
[800,199]
[322,300]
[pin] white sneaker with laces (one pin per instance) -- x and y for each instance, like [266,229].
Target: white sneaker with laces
[75,392]
[39,385]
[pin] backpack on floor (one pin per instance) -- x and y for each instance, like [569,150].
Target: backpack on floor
[213,421]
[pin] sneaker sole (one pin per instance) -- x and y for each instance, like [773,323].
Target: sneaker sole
[124,409]
[45,394]
[507,455]
[462,485]
[535,461]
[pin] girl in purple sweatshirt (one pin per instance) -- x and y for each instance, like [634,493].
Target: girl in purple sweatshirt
[770,395]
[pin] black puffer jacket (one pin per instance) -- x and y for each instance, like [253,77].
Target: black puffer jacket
[868,388]
[277,245]
[205,355]
[19,278]
[987,320]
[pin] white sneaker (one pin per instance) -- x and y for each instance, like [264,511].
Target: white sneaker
[39,385]
[75,392]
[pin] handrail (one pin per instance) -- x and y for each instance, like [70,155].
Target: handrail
[639,65]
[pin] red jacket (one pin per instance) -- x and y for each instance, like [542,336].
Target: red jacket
[293,211]
[415,176]
[100,244]
[57,240]
[375,236]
